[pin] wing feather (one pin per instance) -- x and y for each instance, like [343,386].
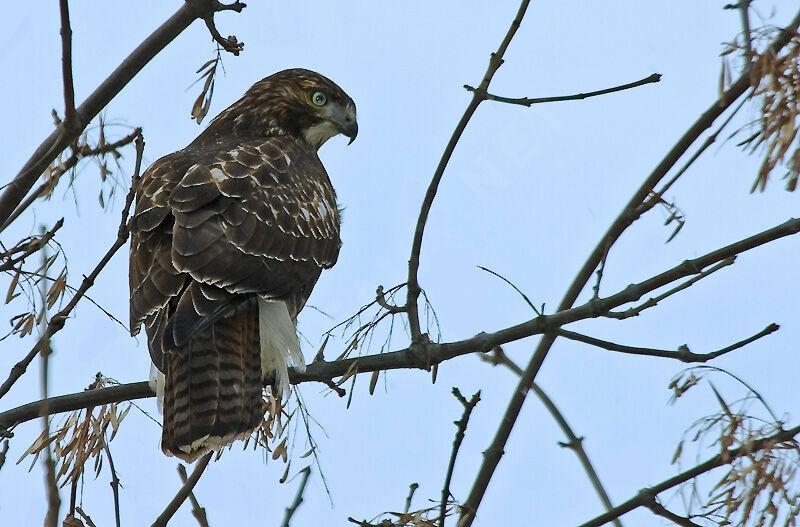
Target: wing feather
[257,217]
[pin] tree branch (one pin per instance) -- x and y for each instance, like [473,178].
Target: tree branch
[197,511]
[461,430]
[183,493]
[62,136]
[78,152]
[51,485]
[322,371]
[114,483]
[478,96]
[652,302]
[659,510]
[628,215]
[31,247]
[57,322]
[682,354]
[529,101]
[66,66]
[573,442]
[720,459]
[298,498]
[3,453]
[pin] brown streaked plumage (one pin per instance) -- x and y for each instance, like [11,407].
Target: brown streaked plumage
[229,236]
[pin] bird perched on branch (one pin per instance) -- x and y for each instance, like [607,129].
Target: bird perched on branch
[228,238]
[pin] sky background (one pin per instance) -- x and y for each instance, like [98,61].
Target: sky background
[528,193]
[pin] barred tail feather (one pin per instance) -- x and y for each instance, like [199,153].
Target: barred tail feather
[212,390]
[280,347]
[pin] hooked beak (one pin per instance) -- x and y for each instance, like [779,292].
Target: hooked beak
[350,129]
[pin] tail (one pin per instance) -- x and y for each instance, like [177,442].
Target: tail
[212,384]
[212,390]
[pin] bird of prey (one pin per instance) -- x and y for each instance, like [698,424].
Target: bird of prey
[228,238]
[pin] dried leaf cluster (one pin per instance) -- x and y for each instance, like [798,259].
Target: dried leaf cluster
[758,489]
[422,518]
[776,82]
[94,145]
[27,279]
[81,437]
[203,102]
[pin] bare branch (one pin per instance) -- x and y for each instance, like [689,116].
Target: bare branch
[380,299]
[58,320]
[652,302]
[573,442]
[30,247]
[461,430]
[626,217]
[3,453]
[197,511]
[114,483]
[744,10]
[657,196]
[298,498]
[62,137]
[659,510]
[85,516]
[784,436]
[411,490]
[51,486]
[682,354]
[495,61]
[229,44]
[184,492]
[528,101]
[322,371]
[66,65]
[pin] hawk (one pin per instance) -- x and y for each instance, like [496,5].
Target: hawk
[228,238]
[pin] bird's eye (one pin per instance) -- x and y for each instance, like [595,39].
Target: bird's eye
[319,98]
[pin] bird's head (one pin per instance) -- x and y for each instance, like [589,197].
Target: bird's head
[302,103]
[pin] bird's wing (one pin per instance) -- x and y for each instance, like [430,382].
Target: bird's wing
[259,217]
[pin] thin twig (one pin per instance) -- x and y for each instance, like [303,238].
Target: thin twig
[66,66]
[79,152]
[478,96]
[517,289]
[298,498]
[657,196]
[114,483]
[58,320]
[461,429]
[229,44]
[322,371]
[652,302]
[659,510]
[573,442]
[411,490]
[197,511]
[62,137]
[3,453]
[682,354]
[51,485]
[599,273]
[32,246]
[529,101]
[184,492]
[744,8]
[380,299]
[85,516]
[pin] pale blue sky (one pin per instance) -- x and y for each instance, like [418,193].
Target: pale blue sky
[528,193]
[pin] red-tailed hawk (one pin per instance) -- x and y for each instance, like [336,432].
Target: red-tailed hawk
[228,238]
